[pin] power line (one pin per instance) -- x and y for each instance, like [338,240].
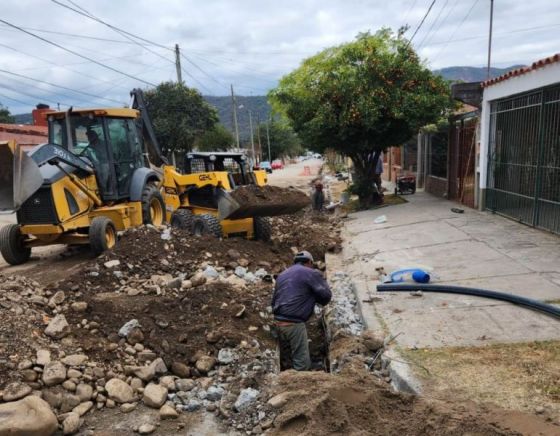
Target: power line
[433,24]
[77,54]
[449,12]
[409,10]
[89,15]
[59,86]
[457,28]
[116,29]
[421,22]
[17,91]
[17,101]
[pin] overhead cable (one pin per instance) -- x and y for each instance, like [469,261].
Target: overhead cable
[78,54]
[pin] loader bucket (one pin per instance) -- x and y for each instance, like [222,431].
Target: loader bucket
[236,208]
[20,177]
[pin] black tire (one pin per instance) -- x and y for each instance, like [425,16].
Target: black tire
[262,228]
[153,207]
[12,245]
[182,219]
[102,235]
[206,224]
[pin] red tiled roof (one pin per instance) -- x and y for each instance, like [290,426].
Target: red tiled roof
[523,70]
[24,134]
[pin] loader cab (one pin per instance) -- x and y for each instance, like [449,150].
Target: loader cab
[108,139]
[235,164]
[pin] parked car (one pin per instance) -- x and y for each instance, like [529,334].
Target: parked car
[265,165]
[277,165]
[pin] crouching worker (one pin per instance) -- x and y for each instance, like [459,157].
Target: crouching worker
[297,291]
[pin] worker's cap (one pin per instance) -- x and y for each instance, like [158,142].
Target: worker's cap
[303,256]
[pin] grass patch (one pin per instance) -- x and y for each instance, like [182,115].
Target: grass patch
[515,376]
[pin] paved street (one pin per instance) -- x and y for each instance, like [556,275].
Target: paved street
[472,249]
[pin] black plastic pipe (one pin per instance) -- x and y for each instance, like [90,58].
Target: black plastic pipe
[448,289]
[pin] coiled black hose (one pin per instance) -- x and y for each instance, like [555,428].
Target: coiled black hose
[448,289]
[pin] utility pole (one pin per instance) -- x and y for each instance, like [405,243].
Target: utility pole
[252,139]
[490,38]
[235,117]
[268,140]
[178,64]
[259,137]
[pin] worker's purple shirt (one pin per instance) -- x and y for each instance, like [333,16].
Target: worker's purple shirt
[296,292]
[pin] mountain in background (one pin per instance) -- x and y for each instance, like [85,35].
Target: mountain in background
[472,74]
[261,110]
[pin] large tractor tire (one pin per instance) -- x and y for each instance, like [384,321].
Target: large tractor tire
[153,207]
[262,228]
[206,224]
[12,245]
[102,235]
[182,219]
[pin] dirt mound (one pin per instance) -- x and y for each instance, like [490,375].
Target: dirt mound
[357,403]
[252,195]
[308,230]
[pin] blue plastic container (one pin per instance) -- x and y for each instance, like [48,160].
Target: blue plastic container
[407,275]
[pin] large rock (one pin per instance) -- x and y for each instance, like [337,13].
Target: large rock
[148,372]
[58,327]
[57,299]
[83,408]
[71,424]
[43,357]
[245,399]
[15,391]
[205,364]
[180,369]
[128,326]
[119,391]
[31,416]
[154,395]
[74,359]
[84,392]
[168,412]
[54,373]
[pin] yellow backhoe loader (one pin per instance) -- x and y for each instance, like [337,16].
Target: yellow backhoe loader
[91,180]
[103,171]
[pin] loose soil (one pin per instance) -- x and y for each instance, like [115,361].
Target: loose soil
[353,402]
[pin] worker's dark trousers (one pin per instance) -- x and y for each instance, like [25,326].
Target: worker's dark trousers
[295,336]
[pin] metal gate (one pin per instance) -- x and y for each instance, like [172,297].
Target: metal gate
[524,158]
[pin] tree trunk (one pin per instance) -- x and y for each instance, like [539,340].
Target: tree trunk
[364,185]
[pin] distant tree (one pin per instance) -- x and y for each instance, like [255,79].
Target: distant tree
[5,115]
[217,139]
[360,98]
[283,140]
[179,115]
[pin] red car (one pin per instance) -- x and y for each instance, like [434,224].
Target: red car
[277,165]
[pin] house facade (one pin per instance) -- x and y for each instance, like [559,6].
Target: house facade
[519,162]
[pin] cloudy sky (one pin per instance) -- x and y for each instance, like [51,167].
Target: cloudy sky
[247,43]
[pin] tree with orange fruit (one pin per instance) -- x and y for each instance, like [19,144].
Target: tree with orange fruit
[360,98]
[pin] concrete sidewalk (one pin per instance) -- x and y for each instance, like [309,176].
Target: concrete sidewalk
[473,249]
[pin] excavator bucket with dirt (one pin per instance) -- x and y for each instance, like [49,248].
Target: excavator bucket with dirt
[20,177]
[253,201]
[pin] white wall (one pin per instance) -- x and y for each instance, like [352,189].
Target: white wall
[544,76]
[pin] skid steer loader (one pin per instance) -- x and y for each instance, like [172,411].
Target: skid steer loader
[91,180]
[198,198]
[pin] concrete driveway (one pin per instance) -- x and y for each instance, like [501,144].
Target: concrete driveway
[472,249]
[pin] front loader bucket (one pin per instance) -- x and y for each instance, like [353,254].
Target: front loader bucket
[20,177]
[235,208]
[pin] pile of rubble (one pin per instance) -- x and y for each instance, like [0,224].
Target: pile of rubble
[163,321]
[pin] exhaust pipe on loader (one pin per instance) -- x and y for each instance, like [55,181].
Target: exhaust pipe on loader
[20,177]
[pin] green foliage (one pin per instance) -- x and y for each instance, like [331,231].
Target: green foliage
[5,116]
[179,115]
[283,140]
[217,139]
[360,98]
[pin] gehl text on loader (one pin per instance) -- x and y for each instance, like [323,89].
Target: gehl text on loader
[102,172]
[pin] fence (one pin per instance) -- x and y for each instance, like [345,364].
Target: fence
[524,158]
